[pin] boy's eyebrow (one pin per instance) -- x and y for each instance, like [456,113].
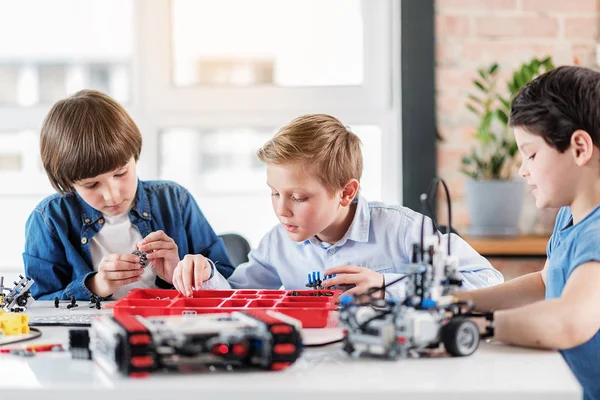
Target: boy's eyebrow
[86,182]
[297,189]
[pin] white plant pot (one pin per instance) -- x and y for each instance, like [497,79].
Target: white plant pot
[494,206]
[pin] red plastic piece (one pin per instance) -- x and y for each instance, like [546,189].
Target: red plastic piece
[139,374]
[281,329]
[220,349]
[239,349]
[278,366]
[284,348]
[140,339]
[304,305]
[131,324]
[142,361]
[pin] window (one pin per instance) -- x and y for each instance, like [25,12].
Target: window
[208,82]
[46,61]
[42,61]
[284,43]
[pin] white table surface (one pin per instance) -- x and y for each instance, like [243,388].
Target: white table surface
[494,371]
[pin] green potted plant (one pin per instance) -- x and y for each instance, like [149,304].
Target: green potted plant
[494,192]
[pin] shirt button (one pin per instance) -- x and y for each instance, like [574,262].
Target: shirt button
[145,214]
[84,240]
[100,221]
[87,220]
[331,251]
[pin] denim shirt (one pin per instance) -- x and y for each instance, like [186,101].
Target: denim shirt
[380,238]
[57,248]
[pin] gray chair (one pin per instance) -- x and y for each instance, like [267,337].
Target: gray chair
[237,248]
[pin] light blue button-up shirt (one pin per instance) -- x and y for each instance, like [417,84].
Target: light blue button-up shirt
[380,238]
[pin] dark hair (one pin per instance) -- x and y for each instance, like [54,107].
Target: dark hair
[557,103]
[86,135]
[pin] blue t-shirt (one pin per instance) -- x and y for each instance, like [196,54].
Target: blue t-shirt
[571,246]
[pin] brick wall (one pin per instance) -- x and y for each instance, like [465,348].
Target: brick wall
[474,33]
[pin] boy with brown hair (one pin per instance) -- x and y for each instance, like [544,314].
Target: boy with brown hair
[80,241]
[314,166]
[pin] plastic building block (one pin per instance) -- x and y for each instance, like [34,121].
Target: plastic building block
[18,298]
[315,281]
[73,303]
[79,344]
[143,257]
[426,318]
[13,324]
[137,346]
[310,307]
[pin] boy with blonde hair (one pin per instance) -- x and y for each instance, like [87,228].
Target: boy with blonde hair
[556,120]
[314,166]
[80,241]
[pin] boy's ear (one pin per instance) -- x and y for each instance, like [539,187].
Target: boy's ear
[582,147]
[349,192]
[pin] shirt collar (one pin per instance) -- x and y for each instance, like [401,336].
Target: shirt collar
[359,228]
[89,215]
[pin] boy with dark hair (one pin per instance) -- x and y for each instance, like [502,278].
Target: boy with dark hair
[80,241]
[556,121]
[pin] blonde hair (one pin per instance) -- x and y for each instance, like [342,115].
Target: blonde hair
[322,144]
[86,135]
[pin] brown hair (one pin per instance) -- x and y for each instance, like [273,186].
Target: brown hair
[86,135]
[323,144]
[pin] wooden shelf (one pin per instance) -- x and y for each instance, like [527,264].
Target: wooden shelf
[514,246]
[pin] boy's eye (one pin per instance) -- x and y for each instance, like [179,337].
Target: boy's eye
[299,200]
[274,194]
[92,186]
[531,157]
[120,174]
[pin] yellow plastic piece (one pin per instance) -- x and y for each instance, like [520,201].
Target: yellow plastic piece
[14,323]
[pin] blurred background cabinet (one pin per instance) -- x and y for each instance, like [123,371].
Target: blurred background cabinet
[513,256]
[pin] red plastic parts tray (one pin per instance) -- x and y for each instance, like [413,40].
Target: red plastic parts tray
[311,307]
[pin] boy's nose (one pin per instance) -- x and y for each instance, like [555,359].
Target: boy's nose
[523,171]
[283,211]
[111,195]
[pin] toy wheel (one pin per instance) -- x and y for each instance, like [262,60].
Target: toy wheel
[22,301]
[460,337]
[348,347]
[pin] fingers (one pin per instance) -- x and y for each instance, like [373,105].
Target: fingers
[123,275]
[199,273]
[344,279]
[344,269]
[187,277]
[177,280]
[156,241]
[128,281]
[161,254]
[119,265]
[121,259]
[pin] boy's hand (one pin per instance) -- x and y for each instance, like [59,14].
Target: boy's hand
[163,252]
[362,278]
[190,273]
[114,271]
